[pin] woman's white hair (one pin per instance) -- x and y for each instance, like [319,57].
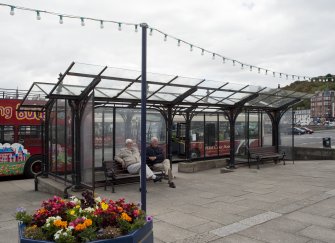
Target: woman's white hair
[154,139]
[129,141]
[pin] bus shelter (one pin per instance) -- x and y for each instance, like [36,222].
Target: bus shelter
[92,109]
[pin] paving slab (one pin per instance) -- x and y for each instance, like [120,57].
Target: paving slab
[312,219]
[300,196]
[272,235]
[319,233]
[170,233]
[236,238]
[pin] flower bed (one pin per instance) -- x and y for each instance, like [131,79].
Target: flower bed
[85,220]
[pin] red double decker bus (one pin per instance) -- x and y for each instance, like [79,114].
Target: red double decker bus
[20,138]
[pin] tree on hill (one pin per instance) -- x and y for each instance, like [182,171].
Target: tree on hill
[311,88]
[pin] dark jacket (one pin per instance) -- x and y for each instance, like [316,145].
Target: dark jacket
[158,152]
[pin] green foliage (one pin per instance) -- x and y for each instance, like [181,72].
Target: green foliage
[310,88]
[89,234]
[127,227]
[109,233]
[34,233]
[24,217]
[66,239]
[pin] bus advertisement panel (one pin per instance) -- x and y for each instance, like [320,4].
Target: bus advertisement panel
[20,140]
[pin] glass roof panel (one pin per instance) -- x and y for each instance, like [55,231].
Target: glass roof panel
[130,95]
[233,86]
[110,93]
[111,84]
[121,73]
[282,102]
[161,78]
[85,68]
[164,96]
[211,84]
[188,81]
[222,94]
[240,96]
[227,102]
[151,87]
[75,80]
[173,90]
[191,98]
[46,87]
[269,91]
[252,89]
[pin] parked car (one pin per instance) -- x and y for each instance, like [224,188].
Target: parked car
[307,130]
[296,131]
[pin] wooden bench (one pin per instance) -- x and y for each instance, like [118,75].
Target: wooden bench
[114,172]
[259,154]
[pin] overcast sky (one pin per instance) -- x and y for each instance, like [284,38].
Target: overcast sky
[290,36]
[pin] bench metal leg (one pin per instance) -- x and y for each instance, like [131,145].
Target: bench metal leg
[258,163]
[113,187]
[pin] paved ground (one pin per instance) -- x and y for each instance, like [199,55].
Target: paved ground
[292,203]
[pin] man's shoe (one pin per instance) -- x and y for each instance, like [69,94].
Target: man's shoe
[172,185]
[158,178]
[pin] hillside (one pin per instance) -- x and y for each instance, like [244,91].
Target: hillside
[311,87]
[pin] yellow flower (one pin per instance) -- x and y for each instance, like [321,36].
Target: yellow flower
[72,212]
[126,217]
[104,206]
[78,206]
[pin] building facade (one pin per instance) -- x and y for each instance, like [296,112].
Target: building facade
[323,105]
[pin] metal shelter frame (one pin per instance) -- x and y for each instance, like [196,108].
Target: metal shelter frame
[170,94]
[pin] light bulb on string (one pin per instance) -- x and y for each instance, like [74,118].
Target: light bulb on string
[202,52]
[150,33]
[266,72]
[286,76]
[223,60]
[101,24]
[233,62]
[61,19]
[259,70]
[178,43]
[298,77]
[250,68]
[136,28]
[213,57]
[12,8]
[274,74]
[292,76]
[191,47]
[165,37]
[82,20]
[120,27]
[38,15]
[279,75]
[242,66]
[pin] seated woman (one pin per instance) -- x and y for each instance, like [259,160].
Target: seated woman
[129,157]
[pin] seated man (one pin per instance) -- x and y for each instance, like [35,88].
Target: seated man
[156,159]
[130,159]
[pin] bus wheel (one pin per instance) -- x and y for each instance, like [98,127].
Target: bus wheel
[195,154]
[33,166]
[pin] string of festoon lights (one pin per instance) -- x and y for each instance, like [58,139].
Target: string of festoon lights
[165,36]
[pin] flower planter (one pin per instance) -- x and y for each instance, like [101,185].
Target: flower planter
[144,234]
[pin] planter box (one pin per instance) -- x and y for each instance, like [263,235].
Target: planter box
[144,235]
